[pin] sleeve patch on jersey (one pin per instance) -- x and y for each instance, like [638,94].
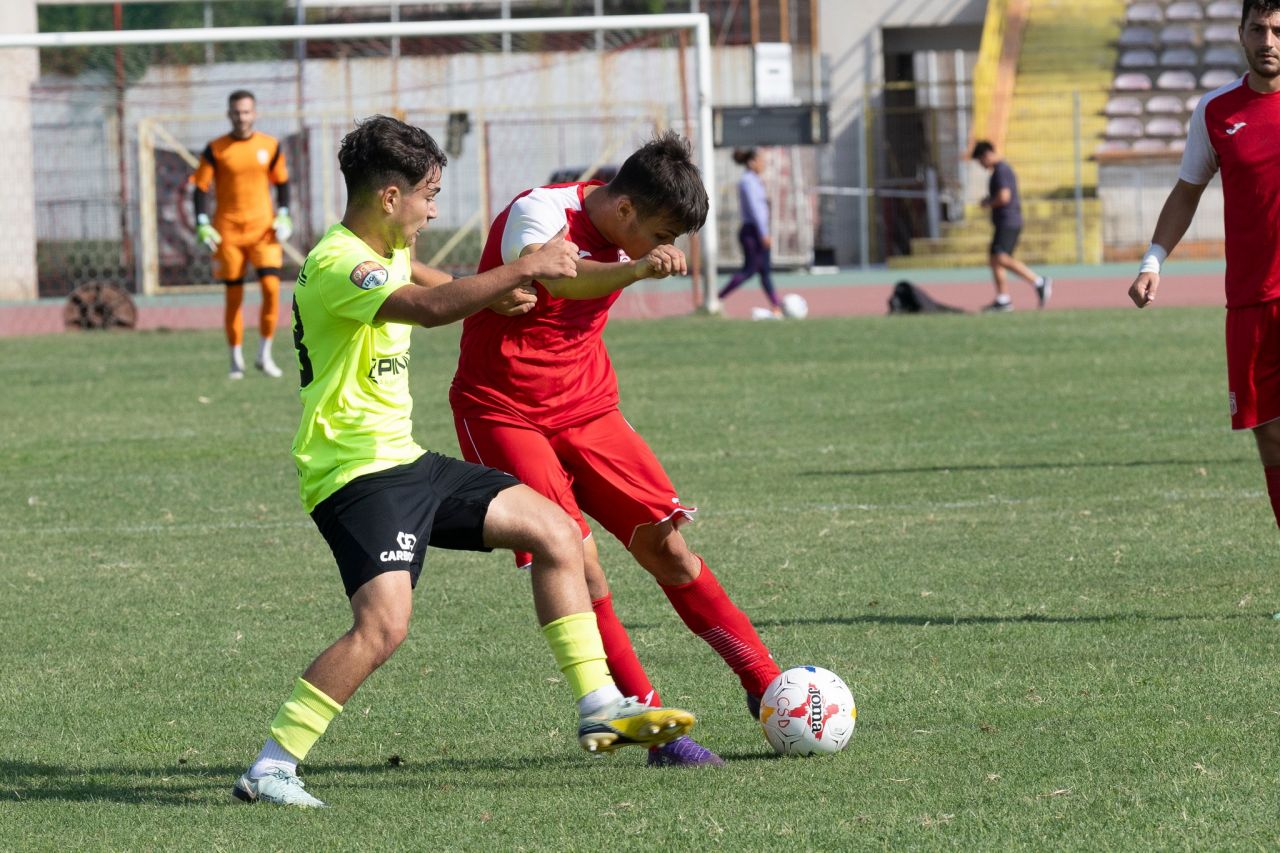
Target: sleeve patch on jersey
[369,275]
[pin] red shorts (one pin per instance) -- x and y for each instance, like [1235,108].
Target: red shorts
[602,468]
[1253,364]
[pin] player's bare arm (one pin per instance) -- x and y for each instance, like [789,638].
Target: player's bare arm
[425,276]
[450,301]
[1175,218]
[594,279]
[519,301]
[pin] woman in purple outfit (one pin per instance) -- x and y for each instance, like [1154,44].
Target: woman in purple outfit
[754,235]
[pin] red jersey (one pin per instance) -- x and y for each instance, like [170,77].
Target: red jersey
[548,368]
[1235,129]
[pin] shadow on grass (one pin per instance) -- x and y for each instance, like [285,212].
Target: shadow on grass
[1024,618]
[1029,466]
[22,781]
[203,785]
[943,620]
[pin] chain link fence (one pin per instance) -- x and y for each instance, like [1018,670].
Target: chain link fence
[1081,202]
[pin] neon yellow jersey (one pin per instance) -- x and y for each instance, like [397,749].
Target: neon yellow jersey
[356,408]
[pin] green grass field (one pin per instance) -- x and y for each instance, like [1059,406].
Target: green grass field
[1029,543]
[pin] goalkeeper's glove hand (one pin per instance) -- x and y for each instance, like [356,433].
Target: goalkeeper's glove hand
[283,225]
[206,233]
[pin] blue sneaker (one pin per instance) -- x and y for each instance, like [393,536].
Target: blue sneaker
[684,751]
[279,786]
[630,721]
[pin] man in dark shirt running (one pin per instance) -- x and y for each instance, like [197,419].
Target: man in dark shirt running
[1006,216]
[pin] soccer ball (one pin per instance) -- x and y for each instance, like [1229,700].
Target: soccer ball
[807,710]
[794,306]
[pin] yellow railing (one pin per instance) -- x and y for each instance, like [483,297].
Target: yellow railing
[997,68]
[987,68]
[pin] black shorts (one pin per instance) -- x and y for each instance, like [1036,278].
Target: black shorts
[1005,239]
[379,522]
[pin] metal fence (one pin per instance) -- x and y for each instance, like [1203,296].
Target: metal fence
[917,197]
[921,192]
[114,141]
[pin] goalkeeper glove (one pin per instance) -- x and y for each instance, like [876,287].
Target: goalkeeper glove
[206,233]
[283,225]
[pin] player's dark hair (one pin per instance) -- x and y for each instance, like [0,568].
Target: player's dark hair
[743,156]
[240,95]
[662,180]
[382,151]
[982,147]
[1262,7]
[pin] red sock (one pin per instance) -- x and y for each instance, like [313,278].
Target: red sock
[705,607]
[1273,488]
[625,667]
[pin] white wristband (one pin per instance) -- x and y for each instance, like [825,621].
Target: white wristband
[202,219]
[1152,260]
[282,211]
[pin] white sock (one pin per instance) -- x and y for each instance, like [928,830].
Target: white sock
[597,699]
[1003,299]
[273,756]
[264,350]
[1039,281]
[237,358]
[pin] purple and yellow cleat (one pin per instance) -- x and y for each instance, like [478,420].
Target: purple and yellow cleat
[684,751]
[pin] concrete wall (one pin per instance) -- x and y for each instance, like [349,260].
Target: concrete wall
[852,46]
[18,69]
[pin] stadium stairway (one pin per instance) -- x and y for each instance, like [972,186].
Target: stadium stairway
[1068,46]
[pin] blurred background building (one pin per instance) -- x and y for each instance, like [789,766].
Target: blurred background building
[866,112]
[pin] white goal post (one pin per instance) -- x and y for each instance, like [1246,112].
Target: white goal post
[695,25]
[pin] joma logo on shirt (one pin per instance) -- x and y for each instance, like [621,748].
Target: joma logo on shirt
[395,365]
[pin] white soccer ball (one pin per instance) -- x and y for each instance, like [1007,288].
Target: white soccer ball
[795,306]
[808,710]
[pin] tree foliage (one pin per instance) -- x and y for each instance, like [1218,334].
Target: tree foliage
[74,62]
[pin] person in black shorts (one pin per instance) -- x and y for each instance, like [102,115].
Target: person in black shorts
[379,499]
[1006,215]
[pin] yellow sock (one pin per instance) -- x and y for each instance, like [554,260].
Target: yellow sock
[303,718]
[579,652]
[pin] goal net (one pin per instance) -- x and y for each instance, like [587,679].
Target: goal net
[119,119]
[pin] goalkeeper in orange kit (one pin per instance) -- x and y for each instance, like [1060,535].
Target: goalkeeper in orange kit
[242,167]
